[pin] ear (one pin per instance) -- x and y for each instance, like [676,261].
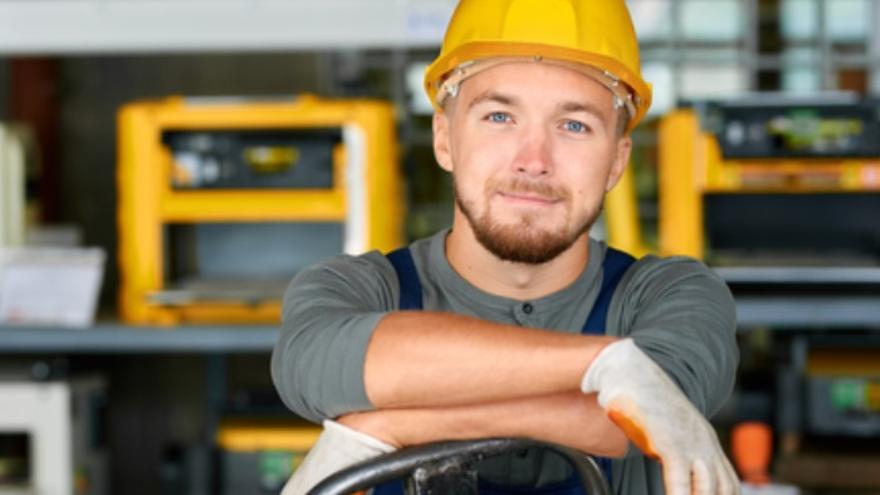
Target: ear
[621,160]
[442,151]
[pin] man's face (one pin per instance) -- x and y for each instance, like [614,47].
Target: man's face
[532,148]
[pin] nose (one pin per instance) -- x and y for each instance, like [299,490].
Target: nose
[533,158]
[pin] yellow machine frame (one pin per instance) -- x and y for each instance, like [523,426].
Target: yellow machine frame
[257,435]
[366,193]
[622,216]
[691,166]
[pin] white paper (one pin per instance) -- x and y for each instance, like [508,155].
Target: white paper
[50,286]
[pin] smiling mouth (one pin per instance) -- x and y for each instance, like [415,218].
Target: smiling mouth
[529,199]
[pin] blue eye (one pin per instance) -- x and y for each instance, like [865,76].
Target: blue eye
[498,117]
[575,126]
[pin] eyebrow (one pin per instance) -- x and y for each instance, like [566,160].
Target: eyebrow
[491,95]
[567,107]
[573,106]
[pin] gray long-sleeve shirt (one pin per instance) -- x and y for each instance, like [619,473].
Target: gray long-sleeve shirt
[677,311]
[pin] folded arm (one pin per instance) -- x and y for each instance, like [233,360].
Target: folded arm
[343,349]
[572,419]
[425,359]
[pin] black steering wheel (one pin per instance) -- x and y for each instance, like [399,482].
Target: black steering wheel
[447,468]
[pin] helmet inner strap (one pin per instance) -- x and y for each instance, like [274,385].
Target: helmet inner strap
[450,86]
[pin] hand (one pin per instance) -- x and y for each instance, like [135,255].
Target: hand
[337,448]
[653,412]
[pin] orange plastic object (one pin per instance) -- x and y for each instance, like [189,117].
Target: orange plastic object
[752,444]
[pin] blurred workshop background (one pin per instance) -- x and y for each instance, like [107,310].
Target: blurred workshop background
[167,165]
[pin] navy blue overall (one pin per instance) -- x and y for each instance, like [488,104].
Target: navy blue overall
[613,267]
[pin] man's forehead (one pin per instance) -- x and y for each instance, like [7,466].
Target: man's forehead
[523,83]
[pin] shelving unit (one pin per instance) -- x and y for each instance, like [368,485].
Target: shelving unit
[121,339]
[773,311]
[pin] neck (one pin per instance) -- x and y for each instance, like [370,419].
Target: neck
[521,281]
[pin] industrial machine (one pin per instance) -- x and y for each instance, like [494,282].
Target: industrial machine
[51,438]
[843,392]
[772,181]
[781,197]
[222,201]
[258,456]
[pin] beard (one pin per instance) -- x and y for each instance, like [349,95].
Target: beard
[525,241]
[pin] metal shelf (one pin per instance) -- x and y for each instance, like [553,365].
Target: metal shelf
[775,312]
[800,275]
[808,312]
[126,26]
[121,339]
[805,298]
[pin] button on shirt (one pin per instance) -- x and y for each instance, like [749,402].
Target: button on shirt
[566,310]
[525,314]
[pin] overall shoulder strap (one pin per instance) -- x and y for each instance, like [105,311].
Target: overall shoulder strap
[410,284]
[614,266]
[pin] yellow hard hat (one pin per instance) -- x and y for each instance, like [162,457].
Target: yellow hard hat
[596,34]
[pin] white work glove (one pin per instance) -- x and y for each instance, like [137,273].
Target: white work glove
[653,412]
[337,448]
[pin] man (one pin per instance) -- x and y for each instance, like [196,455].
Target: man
[479,331]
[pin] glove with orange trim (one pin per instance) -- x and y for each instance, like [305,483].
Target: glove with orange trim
[657,417]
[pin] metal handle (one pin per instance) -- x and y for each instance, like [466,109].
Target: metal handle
[447,464]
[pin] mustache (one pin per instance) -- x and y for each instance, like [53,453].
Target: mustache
[531,187]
